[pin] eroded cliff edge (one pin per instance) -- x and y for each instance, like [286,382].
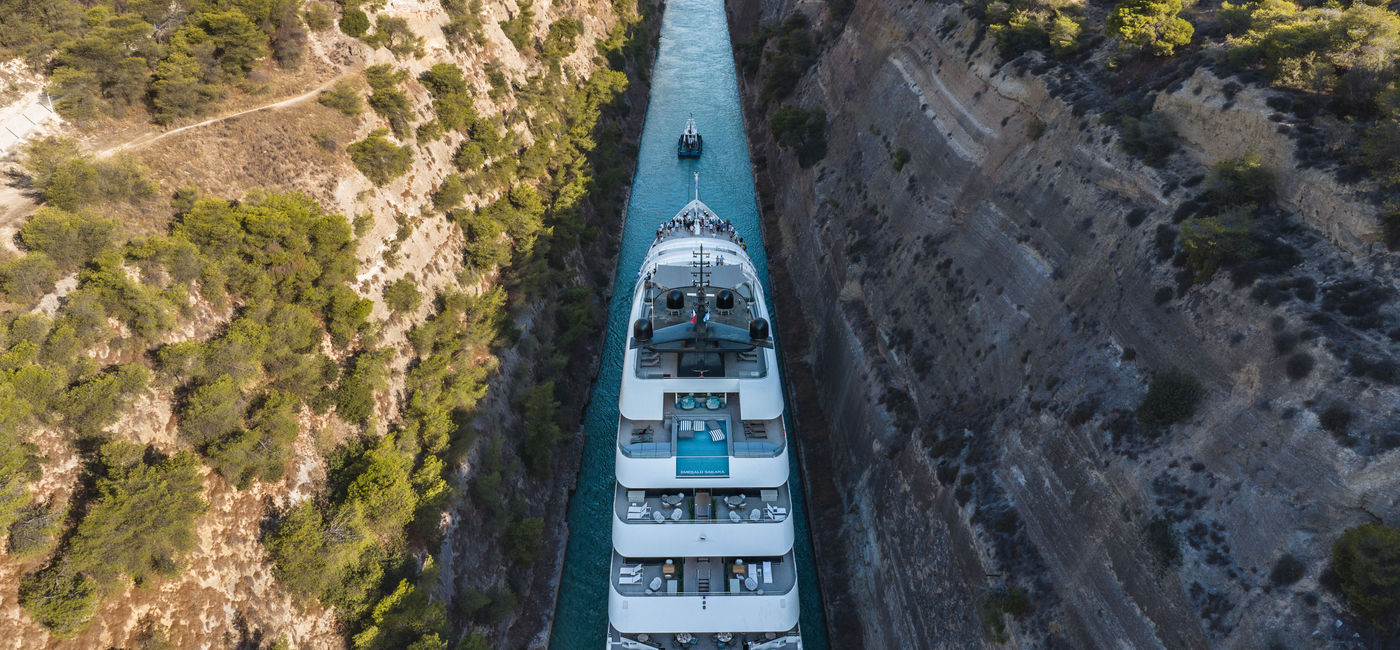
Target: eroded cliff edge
[969,333]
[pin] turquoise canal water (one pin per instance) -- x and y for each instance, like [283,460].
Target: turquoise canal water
[693,75]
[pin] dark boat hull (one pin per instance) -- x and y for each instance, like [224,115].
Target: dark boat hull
[683,152]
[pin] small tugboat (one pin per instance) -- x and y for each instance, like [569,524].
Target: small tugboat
[690,143]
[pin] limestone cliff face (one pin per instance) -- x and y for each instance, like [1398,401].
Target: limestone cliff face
[968,338]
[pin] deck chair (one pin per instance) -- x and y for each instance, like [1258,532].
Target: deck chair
[638,512]
[630,580]
[775,511]
[630,570]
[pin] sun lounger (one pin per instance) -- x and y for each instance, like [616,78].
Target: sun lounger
[638,512]
[630,580]
[776,512]
[630,570]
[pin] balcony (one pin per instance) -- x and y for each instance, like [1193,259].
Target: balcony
[704,576]
[736,521]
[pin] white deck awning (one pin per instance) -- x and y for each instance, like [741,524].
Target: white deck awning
[644,400]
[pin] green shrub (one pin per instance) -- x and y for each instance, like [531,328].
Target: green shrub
[1001,602]
[1240,181]
[140,524]
[430,131]
[1335,418]
[1150,138]
[1064,34]
[1380,149]
[1035,128]
[452,99]
[447,197]
[1152,25]
[212,411]
[402,296]
[1213,242]
[542,432]
[559,42]
[355,396]
[179,90]
[142,520]
[342,97]
[1287,570]
[1346,52]
[900,158]
[346,314]
[69,179]
[313,555]
[93,404]
[379,159]
[36,531]
[262,450]
[1172,397]
[60,599]
[382,488]
[1163,543]
[354,22]
[1367,561]
[319,17]
[406,618]
[19,460]
[394,34]
[1020,32]
[237,42]
[801,130]
[794,52]
[469,157]
[524,540]
[26,279]
[517,29]
[388,99]
[463,26]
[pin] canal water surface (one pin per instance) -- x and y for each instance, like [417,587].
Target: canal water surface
[693,75]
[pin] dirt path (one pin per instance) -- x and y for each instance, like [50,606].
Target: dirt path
[155,137]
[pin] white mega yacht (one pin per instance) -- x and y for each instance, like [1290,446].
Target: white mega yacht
[702,529]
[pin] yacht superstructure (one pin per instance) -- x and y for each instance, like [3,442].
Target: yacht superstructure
[701,527]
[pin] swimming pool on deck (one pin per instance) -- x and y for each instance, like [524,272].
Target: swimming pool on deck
[699,451]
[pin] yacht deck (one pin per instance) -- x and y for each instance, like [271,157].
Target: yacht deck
[705,506]
[703,576]
[676,433]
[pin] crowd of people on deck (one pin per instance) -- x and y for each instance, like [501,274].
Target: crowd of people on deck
[685,224]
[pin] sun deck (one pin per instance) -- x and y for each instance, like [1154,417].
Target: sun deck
[700,426]
[702,506]
[661,577]
[790,640]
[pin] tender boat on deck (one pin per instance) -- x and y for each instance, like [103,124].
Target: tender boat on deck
[702,530]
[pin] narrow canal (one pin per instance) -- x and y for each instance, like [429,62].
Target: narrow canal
[693,75]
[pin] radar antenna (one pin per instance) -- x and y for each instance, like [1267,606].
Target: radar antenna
[702,262]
